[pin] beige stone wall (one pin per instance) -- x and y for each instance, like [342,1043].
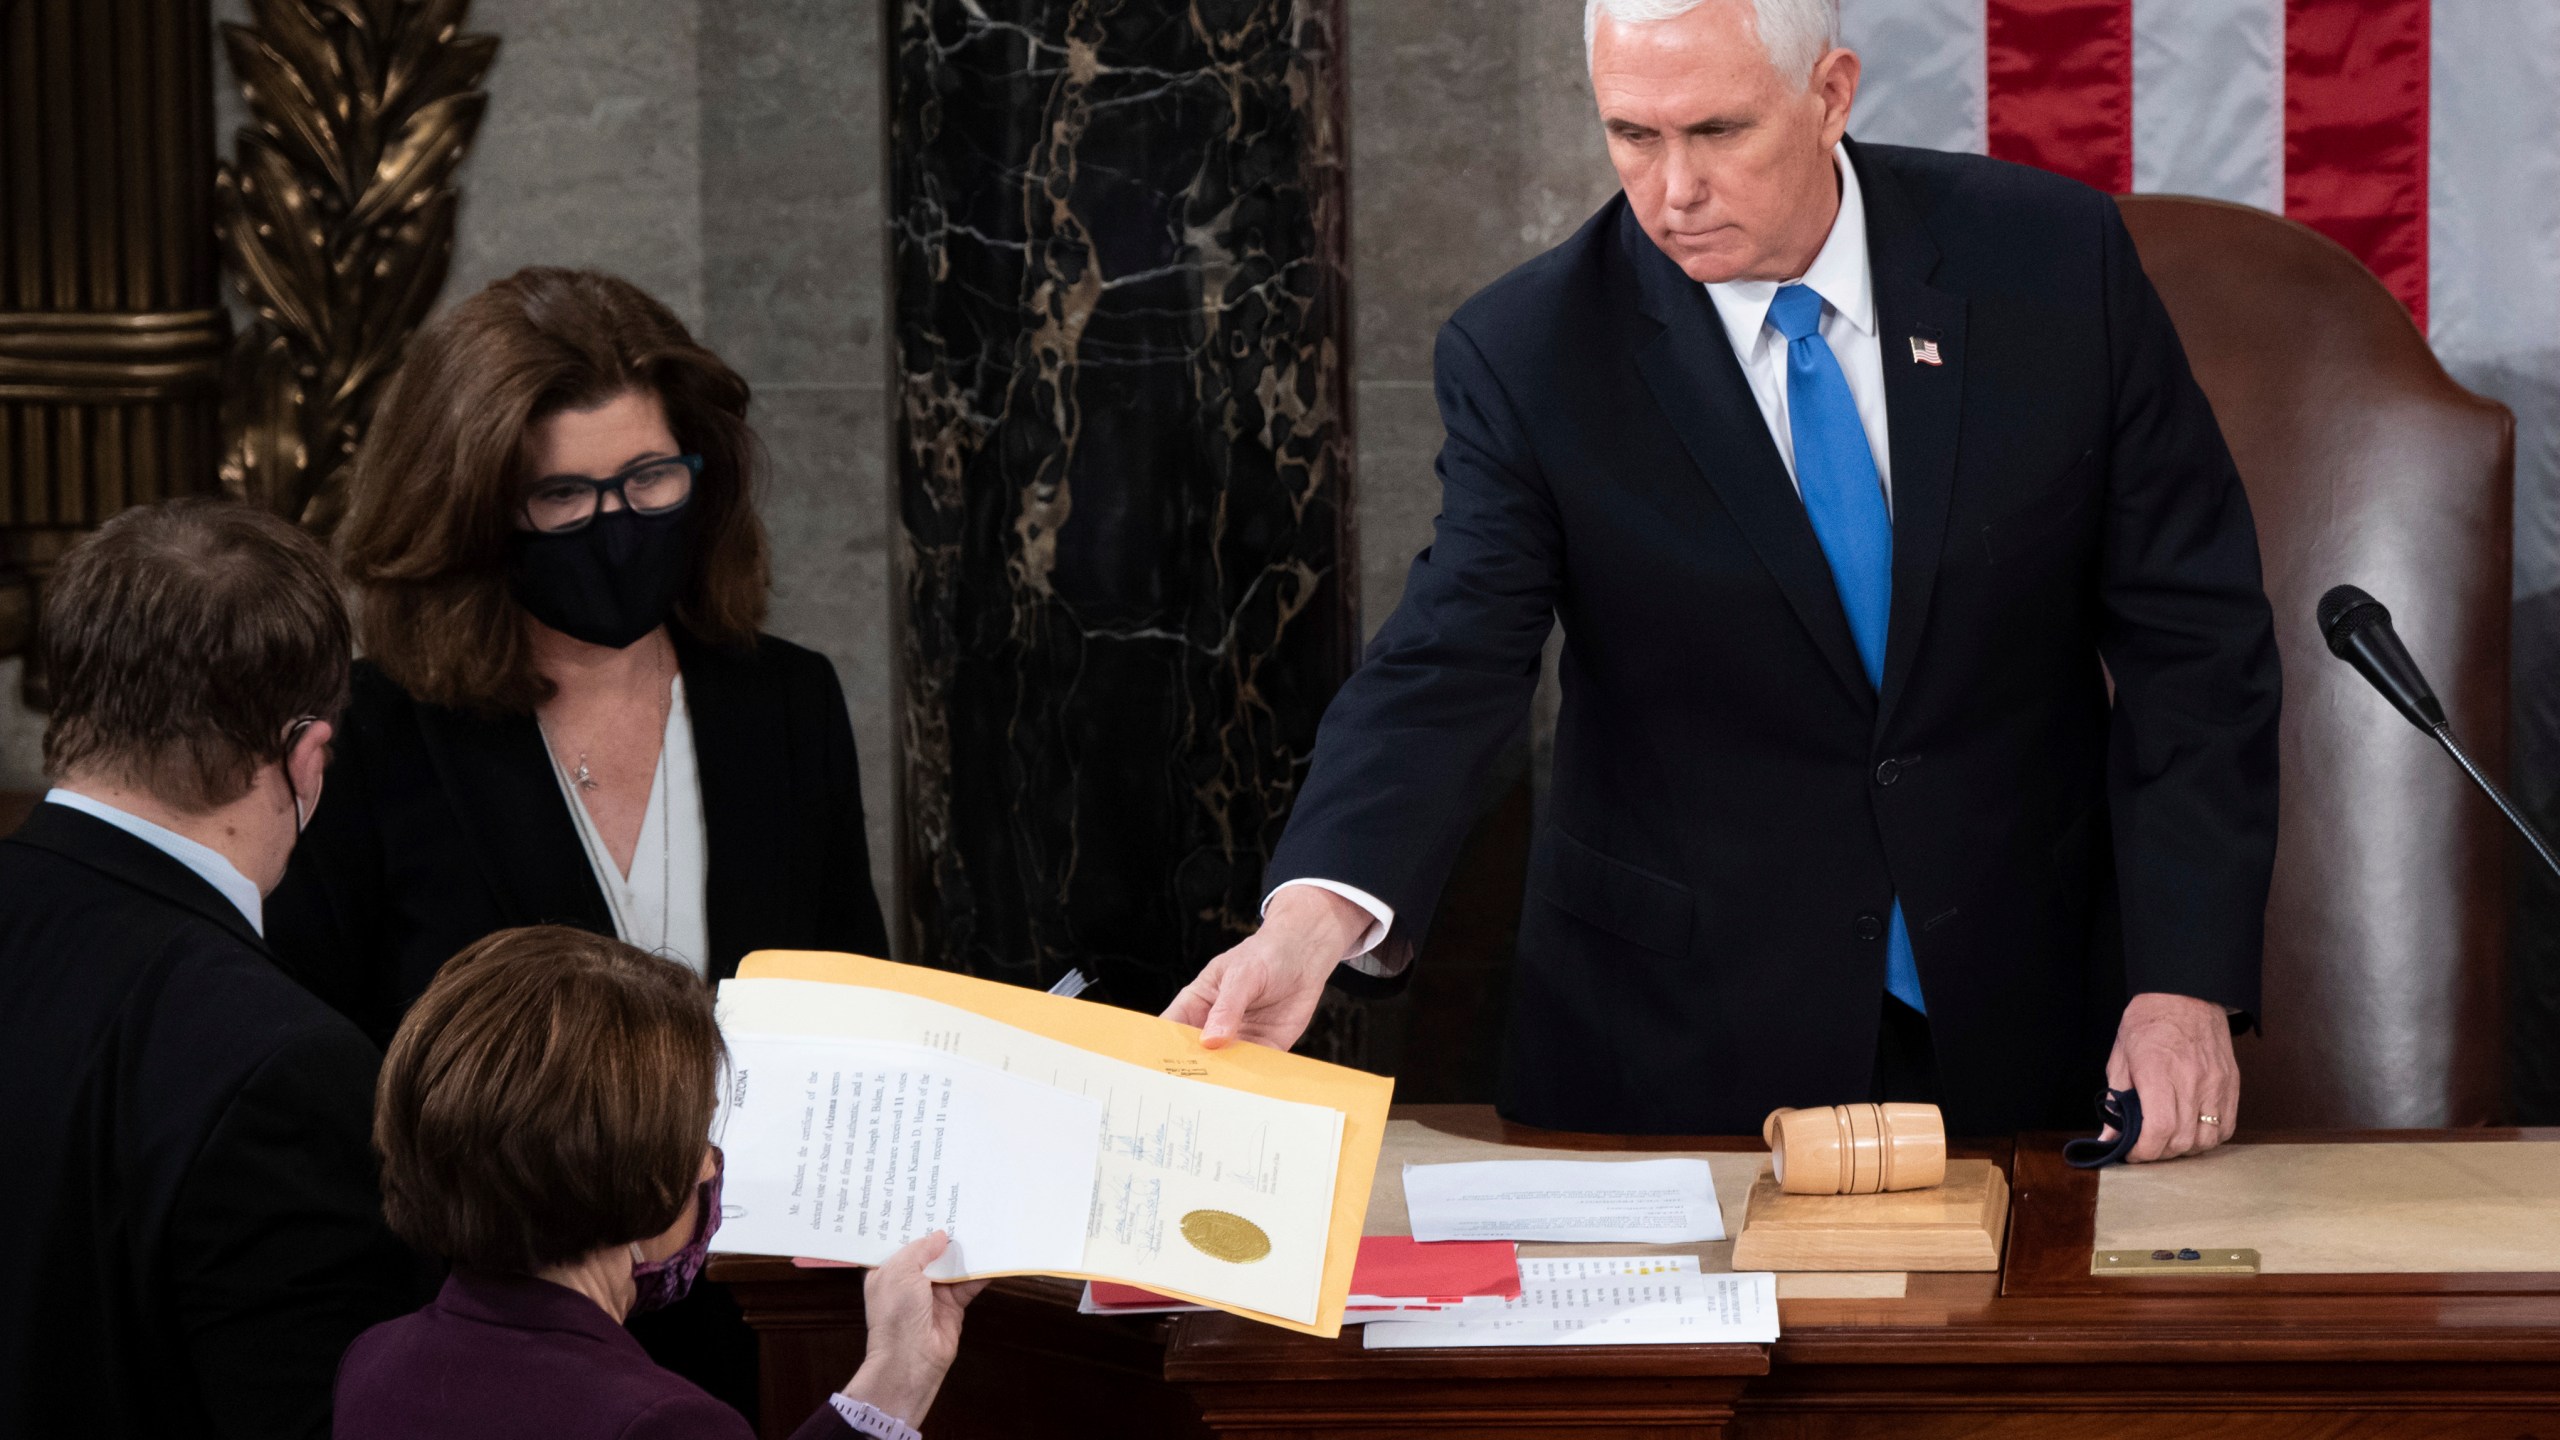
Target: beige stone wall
[1474,147]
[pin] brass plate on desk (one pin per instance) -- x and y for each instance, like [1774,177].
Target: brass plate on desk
[2185,1260]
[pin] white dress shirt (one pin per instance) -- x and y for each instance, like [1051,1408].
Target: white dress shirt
[212,865]
[1846,283]
[1842,276]
[658,906]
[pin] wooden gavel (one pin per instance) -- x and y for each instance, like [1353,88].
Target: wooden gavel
[1856,1149]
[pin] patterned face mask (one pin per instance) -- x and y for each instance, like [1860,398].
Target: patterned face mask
[662,1283]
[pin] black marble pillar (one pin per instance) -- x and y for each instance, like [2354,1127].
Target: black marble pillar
[1118,232]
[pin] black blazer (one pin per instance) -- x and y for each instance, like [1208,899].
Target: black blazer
[193,1236]
[437,828]
[1734,808]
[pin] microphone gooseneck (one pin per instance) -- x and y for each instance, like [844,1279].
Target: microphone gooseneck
[2359,632]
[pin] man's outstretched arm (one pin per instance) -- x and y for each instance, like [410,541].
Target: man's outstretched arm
[1406,744]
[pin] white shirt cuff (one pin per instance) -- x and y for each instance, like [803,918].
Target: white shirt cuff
[871,1420]
[1382,917]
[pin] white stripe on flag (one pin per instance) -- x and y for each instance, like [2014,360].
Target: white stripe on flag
[2493,240]
[2208,99]
[1923,81]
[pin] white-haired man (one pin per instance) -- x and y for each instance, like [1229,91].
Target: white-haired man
[1854,474]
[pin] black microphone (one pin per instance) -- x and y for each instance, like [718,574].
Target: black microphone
[2359,632]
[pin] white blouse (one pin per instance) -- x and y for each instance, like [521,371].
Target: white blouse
[659,905]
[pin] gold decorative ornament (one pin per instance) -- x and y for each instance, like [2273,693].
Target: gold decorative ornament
[112,334]
[1224,1236]
[336,220]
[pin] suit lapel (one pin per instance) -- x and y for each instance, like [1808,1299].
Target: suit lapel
[740,749]
[497,776]
[1691,369]
[1923,404]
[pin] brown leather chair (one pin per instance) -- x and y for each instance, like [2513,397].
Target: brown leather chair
[2366,465]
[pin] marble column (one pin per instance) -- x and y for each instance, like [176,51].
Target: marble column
[1122,445]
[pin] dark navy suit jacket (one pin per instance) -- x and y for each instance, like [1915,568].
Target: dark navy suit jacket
[1734,808]
[190,1231]
[509,1357]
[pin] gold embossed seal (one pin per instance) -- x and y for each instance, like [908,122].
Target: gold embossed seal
[1222,1236]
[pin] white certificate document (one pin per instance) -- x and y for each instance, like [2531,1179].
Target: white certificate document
[1629,1202]
[1195,1187]
[848,1149]
[1603,1300]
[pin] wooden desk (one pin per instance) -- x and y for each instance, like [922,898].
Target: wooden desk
[2032,1351]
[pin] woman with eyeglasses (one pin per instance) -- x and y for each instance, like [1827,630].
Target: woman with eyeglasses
[565,712]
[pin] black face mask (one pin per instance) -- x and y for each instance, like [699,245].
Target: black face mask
[609,582]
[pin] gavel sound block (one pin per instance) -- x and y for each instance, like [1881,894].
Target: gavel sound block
[1868,1187]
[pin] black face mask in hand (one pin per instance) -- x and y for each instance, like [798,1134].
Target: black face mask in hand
[611,581]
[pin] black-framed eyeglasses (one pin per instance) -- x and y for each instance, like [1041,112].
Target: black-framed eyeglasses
[558,504]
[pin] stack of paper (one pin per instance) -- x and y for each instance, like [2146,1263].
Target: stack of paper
[1626,1202]
[870,1103]
[1603,1300]
[1583,1300]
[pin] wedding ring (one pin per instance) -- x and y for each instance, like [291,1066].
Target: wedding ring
[2213,1120]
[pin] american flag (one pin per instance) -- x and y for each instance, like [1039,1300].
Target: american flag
[1925,352]
[2416,134]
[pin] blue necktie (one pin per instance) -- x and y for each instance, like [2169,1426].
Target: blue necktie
[1836,474]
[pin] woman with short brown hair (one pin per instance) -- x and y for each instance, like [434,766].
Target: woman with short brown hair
[543,1120]
[565,713]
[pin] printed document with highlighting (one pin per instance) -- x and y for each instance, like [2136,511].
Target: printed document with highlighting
[1632,1202]
[1604,1300]
[1215,1193]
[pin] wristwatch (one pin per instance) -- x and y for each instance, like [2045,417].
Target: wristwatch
[869,1419]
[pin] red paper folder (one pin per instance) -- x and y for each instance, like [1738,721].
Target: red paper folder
[1394,1272]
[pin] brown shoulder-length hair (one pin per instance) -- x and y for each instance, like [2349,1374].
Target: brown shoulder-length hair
[437,480]
[549,1095]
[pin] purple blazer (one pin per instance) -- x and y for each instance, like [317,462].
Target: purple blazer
[496,1357]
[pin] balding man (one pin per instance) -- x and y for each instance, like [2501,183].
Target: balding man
[1854,475]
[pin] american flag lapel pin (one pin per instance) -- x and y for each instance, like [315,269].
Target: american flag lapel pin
[1925,352]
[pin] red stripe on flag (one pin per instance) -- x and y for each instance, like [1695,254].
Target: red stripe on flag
[2355,133]
[2060,93]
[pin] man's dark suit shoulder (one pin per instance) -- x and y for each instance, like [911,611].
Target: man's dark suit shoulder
[193,1011]
[221,996]
[199,1230]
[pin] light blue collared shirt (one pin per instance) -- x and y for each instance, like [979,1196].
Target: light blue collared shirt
[212,864]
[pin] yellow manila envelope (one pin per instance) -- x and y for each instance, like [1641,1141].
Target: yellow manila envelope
[1242,1188]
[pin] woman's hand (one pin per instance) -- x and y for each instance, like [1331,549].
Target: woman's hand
[914,1329]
